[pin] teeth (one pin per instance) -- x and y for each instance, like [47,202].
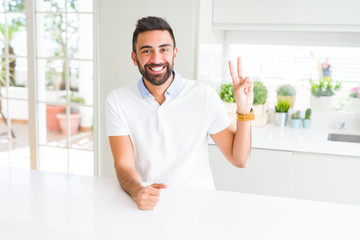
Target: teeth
[156,69]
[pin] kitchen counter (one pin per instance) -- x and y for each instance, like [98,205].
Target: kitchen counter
[312,140]
[42,205]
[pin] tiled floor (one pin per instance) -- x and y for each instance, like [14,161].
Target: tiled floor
[53,153]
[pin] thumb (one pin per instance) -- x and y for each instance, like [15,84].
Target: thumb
[159,186]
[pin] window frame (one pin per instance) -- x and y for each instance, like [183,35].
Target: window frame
[31,15]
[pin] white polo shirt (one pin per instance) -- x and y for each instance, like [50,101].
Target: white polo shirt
[170,140]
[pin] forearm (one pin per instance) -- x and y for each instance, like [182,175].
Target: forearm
[129,180]
[241,147]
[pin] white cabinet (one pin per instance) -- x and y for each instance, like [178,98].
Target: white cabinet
[326,177]
[293,14]
[267,172]
[310,176]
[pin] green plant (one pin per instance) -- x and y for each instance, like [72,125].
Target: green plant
[15,5]
[3,72]
[54,26]
[14,24]
[227,93]
[260,92]
[286,90]
[74,99]
[296,115]
[282,106]
[324,87]
[307,113]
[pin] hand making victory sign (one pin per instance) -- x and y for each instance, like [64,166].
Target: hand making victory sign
[243,88]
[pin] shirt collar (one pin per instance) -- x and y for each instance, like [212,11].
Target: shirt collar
[172,90]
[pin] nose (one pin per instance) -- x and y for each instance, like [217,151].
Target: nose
[156,58]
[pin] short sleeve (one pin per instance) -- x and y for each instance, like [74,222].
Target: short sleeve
[115,126]
[218,118]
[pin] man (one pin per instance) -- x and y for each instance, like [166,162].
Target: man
[158,128]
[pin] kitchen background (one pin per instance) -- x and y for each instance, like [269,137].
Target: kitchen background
[71,54]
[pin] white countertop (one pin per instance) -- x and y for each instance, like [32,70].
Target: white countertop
[312,140]
[41,205]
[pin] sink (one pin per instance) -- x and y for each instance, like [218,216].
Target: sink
[341,137]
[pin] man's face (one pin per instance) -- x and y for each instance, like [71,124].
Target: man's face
[155,56]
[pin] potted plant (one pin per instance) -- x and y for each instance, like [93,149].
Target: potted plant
[286,91]
[281,112]
[260,105]
[296,120]
[52,122]
[355,99]
[321,93]
[227,95]
[74,116]
[307,120]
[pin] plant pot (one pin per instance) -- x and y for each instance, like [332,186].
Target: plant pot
[74,122]
[355,105]
[261,113]
[291,99]
[280,119]
[295,123]
[52,122]
[323,103]
[306,123]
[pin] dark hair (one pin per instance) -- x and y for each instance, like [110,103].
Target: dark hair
[148,24]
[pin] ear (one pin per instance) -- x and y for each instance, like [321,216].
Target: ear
[175,53]
[133,58]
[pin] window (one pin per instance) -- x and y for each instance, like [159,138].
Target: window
[278,64]
[64,81]
[14,139]
[64,53]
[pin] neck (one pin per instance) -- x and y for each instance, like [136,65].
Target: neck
[159,91]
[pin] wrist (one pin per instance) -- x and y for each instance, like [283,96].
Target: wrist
[246,117]
[243,110]
[134,192]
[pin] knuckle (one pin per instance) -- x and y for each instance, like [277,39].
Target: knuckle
[143,197]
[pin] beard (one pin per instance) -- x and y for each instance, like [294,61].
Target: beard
[156,79]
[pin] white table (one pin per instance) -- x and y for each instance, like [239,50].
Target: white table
[41,205]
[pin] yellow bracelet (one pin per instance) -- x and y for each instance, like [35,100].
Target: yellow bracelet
[246,117]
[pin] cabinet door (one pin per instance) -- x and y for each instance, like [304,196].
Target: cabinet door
[267,172]
[330,178]
[291,15]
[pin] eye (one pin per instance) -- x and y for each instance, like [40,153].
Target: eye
[146,51]
[164,50]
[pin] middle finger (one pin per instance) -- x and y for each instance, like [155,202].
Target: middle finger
[239,69]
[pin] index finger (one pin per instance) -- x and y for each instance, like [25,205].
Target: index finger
[239,68]
[232,72]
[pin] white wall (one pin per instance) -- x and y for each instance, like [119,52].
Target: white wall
[117,21]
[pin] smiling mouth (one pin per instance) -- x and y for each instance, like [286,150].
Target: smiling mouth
[157,69]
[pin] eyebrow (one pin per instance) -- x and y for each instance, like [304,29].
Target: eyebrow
[165,45]
[145,46]
[162,45]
